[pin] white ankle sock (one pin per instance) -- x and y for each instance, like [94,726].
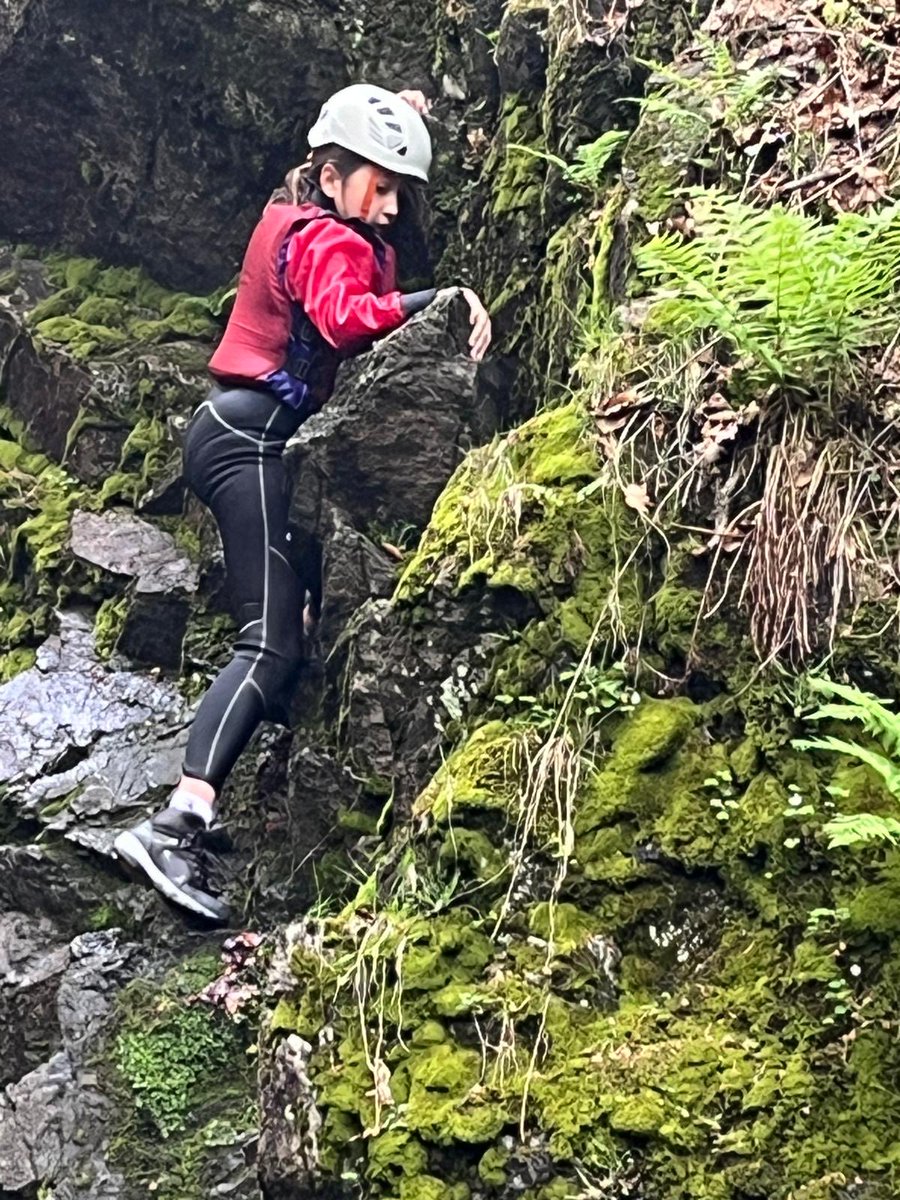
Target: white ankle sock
[188,802]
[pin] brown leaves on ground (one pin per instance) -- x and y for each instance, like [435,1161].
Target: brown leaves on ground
[834,137]
[719,424]
[612,413]
[239,983]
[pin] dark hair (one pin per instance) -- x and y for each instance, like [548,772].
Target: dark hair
[301,184]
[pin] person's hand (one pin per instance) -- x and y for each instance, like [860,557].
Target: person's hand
[480,337]
[416,100]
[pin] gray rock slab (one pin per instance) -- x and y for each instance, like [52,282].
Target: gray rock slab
[68,701]
[122,543]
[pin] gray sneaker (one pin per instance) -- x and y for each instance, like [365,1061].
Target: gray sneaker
[174,850]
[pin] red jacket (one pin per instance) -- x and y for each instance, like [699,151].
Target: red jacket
[312,289]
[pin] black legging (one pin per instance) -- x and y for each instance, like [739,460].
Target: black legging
[232,460]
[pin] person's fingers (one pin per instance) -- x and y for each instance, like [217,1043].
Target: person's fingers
[481,338]
[417,101]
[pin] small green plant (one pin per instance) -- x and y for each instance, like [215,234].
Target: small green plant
[718,94]
[167,1064]
[850,829]
[590,159]
[722,793]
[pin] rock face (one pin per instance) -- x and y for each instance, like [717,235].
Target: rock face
[126,110]
[398,424]
[53,1117]
[368,468]
[165,581]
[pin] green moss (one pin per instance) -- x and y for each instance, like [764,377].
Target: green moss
[480,774]
[429,1187]
[13,662]
[166,1066]
[60,304]
[184,1080]
[567,926]
[101,310]
[394,1156]
[109,623]
[508,507]
[108,916]
[81,340]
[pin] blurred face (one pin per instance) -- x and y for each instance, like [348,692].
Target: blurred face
[369,194]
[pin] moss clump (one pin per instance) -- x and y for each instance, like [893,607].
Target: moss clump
[183,1075]
[167,1065]
[108,625]
[479,775]
[97,310]
[511,513]
[79,338]
[14,662]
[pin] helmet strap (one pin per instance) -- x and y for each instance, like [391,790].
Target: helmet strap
[370,194]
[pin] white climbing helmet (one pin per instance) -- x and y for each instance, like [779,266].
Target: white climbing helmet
[377,125]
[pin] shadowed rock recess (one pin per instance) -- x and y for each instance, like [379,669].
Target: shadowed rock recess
[545,892]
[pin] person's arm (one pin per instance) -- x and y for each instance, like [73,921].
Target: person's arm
[332,272]
[414,302]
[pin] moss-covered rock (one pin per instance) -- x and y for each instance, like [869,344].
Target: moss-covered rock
[184,1081]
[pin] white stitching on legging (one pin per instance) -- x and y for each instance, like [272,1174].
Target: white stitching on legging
[209,405]
[248,678]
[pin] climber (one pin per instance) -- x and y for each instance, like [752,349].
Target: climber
[316,285]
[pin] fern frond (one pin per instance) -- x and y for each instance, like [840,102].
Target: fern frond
[591,159]
[873,713]
[797,300]
[851,829]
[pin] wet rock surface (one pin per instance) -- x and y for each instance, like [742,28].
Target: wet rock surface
[124,111]
[123,544]
[165,581]
[69,702]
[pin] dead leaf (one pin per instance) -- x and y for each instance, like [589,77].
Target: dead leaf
[636,497]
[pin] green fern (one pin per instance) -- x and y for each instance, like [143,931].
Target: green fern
[796,303]
[851,829]
[591,159]
[718,92]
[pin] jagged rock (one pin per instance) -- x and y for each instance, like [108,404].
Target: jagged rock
[125,545]
[80,410]
[71,725]
[522,48]
[53,1119]
[356,569]
[156,93]
[290,1120]
[165,581]
[57,882]
[399,422]
[32,957]
[288,1148]
[407,676]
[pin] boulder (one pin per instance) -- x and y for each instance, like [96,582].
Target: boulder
[165,581]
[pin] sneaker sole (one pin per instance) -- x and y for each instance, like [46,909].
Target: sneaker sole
[134,852]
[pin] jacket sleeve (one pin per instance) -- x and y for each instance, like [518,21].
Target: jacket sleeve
[333,273]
